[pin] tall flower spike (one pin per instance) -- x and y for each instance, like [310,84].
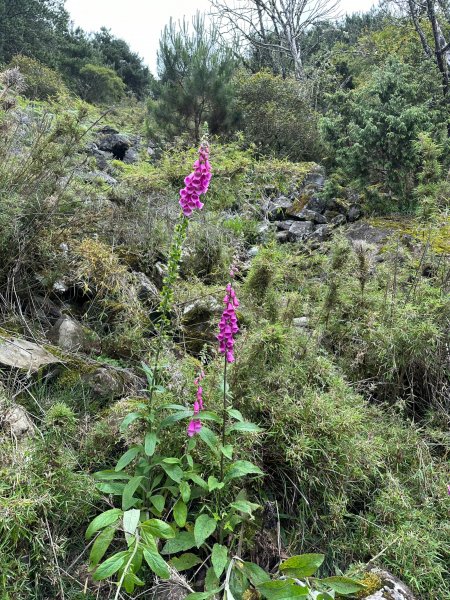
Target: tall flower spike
[196,183]
[228,326]
[195,424]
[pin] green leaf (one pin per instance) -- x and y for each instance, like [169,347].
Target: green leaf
[255,573]
[211,580]
[227,451]
[240,468]
[343,585]
[111,565]
[209,437]
[127,497]
[303,565]
[184,540]
[185,491]
[128,420]
[101,521]
[209,415]
[235,414]
[214,483]
[173,471]
[198,480]
[186,414]
[185,561]
[282,590]
[130,581]
[158,502]
[171,460]
[157,564]
[202,595]
[158,528]
[203,528]
[111,488]
[245,506]
[131,520]
[128,457]
[180,513]
[245,426]
[111,476]
[100,546]
[150,442]
[219,559]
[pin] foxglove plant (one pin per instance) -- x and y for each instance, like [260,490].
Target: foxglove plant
[195,424]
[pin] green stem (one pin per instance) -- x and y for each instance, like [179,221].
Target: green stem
[224,416]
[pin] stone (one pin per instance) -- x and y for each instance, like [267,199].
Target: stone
[44,309]
[315,180]
[368,233]
[199,322]
[322,233]
[282,237]
[16,421]
[338,220]
[300,230]
[354,213]
[99,177]
[146,289]
[300,322]
[159,272]
[284,225]
[71,336]
[308,215]
[23,354]
[253,252]
[276,209]
[317,204]
[131,156]
[115,143]
[392,588]
[110,382]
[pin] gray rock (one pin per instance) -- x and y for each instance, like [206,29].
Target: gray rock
[322,233]
[354,213]
[22,354]
[367,233]
[99,177]
[300,230]
[282,237]
[253,252]
[199,322]
[44,309]
[276,209]
[71,336]
[131,156]
[315,180]
[159,272]
[115,143]
[284,225]
[317,204]
[392,588]
[146,289]
[108,382]
[16,421]
[309,215]
[300,322]
[338,220]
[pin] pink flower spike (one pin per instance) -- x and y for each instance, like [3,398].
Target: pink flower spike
[196,183]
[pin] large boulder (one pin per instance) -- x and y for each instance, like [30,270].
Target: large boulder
[300,230]
[109,382]
[199,322]
[71,336]
[25,355]
[115,143]
[391,587]
[15,421]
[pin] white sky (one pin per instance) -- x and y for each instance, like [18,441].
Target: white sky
[139,22]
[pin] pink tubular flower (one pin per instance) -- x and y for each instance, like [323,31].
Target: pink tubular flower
[196,183]
[228,326]
[195,424]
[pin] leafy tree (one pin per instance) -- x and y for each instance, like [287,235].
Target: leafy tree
[41,82]
[117,55]
[371,131]
[101,84]
[195,80]
[31,27]
[276,116]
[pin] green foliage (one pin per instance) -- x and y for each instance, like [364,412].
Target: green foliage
[101,84]
[41,82]
[371,132]
[276,116]
[194,81]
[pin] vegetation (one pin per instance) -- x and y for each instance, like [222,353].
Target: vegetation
[239,390]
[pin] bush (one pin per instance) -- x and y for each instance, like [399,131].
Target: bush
[42,83]
[101,84]
[277,117]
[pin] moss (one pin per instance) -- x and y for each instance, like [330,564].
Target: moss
[372,582]
[438,235]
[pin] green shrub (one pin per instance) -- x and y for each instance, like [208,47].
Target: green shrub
[101,84]
[42,83]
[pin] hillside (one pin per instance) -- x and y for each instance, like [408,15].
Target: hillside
[240,391]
